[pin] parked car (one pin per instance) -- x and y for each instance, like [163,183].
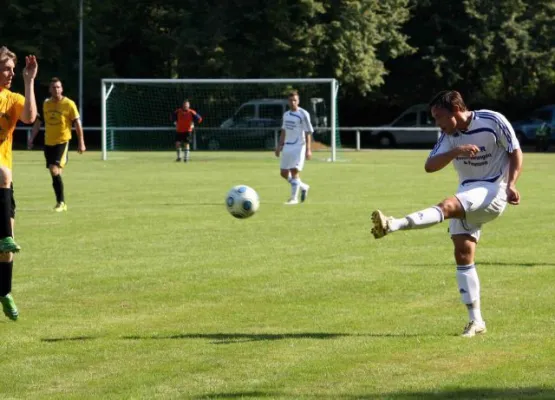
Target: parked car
[526,128]
[415,116]
[255,123]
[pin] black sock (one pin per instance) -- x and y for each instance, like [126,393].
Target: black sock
[6,271]
[58,186]
[5,213]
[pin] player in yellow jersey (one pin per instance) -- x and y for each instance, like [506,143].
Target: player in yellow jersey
[59,115]
[13,107]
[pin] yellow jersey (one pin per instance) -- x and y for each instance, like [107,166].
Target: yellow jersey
[11,106]
[58,117]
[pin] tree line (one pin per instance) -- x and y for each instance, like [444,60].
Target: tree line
[386,54]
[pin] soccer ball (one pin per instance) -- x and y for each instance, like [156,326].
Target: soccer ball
[242,201]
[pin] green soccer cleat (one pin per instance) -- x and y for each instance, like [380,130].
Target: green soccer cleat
[10,310]
[60,207]
[8,245]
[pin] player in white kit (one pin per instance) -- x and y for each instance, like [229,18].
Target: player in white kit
[294,147]
[486,154]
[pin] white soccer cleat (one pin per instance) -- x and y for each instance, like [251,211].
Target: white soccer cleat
[381,224]
[474,328]
[291,202]
[304,193]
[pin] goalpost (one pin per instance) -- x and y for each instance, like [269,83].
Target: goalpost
[238,114]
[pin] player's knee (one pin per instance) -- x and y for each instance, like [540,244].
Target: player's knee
[451,208]
[54,170]
[465,246]
[5,177]
[6,257]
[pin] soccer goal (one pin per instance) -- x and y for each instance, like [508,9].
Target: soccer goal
[237,114]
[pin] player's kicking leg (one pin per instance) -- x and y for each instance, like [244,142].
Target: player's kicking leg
[383,225]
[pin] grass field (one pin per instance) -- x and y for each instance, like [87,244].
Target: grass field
[146,288]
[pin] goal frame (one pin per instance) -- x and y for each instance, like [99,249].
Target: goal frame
[107,85]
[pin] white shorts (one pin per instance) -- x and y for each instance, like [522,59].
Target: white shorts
[482,203]
[292,157]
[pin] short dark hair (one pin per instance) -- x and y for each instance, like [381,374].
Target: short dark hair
[448,99]
[293,93]
[55,79]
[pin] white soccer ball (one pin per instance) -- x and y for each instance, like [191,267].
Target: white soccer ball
[242,201]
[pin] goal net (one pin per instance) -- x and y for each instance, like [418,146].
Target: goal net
[237,114]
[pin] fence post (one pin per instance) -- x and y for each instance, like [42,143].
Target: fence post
[358,140]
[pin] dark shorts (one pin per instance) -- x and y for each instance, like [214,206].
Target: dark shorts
[56,155]
[12,210]
[185,137]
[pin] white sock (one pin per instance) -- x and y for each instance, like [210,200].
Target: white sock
[469,288]
[417,220]
[178,153]
[295,186]
[303,185]
[186,155]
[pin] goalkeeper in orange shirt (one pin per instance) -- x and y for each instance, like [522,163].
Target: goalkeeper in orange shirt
[184,118]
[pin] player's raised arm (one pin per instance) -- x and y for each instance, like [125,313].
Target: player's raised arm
[29,113]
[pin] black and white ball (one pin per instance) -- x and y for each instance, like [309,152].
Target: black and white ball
[242,201]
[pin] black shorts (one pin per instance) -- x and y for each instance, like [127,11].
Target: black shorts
[12,210]
[185,137]
[56,154]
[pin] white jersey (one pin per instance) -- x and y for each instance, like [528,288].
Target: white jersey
[295,124]
[494,135]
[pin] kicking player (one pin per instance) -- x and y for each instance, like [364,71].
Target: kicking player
[486,154]
[59,114]
[294,146]
[185,119]
[13,107]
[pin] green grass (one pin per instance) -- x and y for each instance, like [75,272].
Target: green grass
[146,288]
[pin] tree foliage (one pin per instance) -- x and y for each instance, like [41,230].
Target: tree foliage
[393,51]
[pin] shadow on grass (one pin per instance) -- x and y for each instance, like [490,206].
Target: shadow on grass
[68,339]
[464,394]
[223,338]
[499,263]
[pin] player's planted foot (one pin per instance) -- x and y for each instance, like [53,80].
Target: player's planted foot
[8,245]
[178,159]
[60,207]
[291,202]
[474,328]
[304,193]
[8,305]
[381,224]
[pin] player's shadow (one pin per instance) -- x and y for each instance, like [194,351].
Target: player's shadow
[68,339]
[492,263]
[224,338]
[459,394]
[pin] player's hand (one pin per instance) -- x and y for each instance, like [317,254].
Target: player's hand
[31,68]
[308,154]
[81,148]
[513,196]
[277,152]
[468,150]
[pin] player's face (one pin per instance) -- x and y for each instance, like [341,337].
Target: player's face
[445,120]
[186,105]
[56,89]
[293,102]
[7,73]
